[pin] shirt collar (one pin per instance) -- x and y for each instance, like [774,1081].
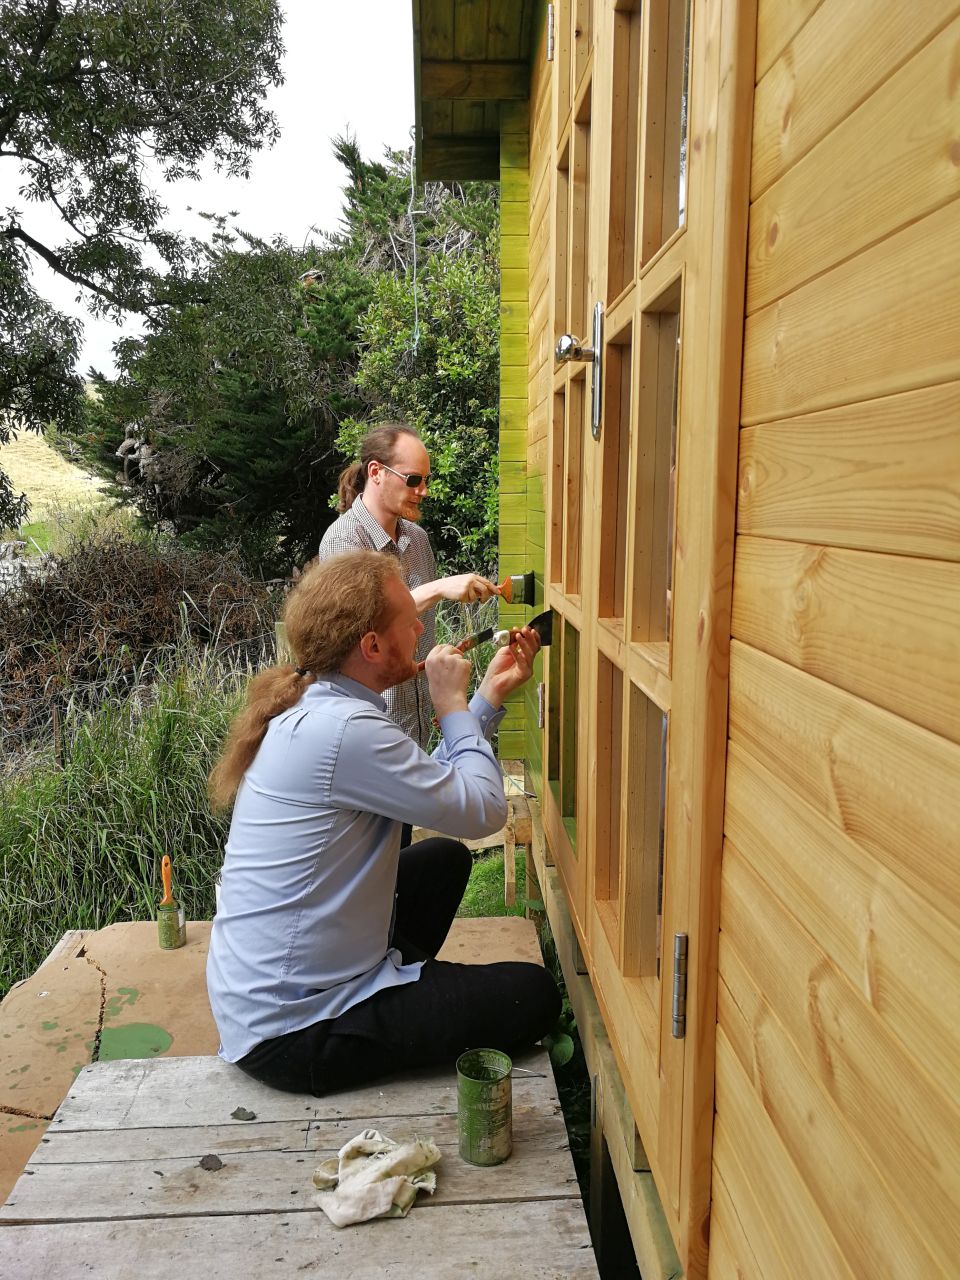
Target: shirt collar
[351,687]
[376,530]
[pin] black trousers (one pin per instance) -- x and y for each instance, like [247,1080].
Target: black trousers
[450,1008]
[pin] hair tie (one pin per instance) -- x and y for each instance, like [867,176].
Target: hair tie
[302,671]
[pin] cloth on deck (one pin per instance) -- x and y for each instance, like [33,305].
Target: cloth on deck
[375,1177]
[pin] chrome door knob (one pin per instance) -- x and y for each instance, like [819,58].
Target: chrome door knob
[570,348]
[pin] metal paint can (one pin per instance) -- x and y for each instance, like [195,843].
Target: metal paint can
[172,927]
[484,1106]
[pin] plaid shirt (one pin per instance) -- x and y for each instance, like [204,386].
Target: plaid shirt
[408,704]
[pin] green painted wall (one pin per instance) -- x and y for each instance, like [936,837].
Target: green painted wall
[514,311]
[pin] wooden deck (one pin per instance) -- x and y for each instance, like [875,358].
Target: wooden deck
[116,1188]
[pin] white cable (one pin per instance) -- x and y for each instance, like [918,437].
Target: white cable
[413,233]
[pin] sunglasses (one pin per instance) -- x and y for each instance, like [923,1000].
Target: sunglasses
[412,479]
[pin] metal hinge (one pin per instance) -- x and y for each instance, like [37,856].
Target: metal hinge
[679,985]
[549,32]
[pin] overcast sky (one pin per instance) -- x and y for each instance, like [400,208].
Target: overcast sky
[347,67]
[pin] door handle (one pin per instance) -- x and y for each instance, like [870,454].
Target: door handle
[570,350]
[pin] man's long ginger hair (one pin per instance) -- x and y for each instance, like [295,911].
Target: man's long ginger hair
[332,606]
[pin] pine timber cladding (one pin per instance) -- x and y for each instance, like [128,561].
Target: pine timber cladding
[804,686]
[839,1052]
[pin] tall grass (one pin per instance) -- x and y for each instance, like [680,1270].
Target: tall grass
[82,835]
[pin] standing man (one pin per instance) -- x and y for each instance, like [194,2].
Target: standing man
[321,971]
[380,499]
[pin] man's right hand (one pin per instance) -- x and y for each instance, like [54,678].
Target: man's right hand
[448,674]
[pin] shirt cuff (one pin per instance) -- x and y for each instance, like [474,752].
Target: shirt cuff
[489,717]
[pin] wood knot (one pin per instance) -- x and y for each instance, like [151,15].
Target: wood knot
[955,152]
[773,233]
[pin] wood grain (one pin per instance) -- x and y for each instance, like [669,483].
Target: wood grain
[836,60]
[882,475]
[891,162]
[883,322]
[882,627]
[889,786]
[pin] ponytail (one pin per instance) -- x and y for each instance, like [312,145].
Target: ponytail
[350,485]
[268,695]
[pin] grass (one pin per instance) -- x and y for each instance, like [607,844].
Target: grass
[81,841]
[48,479]
[484,893]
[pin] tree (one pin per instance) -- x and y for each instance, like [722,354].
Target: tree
[429,349]
[239,397]
[92,92]
[252,394]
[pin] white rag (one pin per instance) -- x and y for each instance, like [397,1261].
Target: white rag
[375,1177]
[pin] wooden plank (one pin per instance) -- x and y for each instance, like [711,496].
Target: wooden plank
[824,1063]
[882,627]
[503,29]
[885,165]
[254,1182]
[886,321]
[470,19]
[893,947]
[761,1187]
[650,1233]
[731,1255]
[838,58]
[877,476]
[778,21]
[891,787]
[436,28]
[448,158]
[539,1241]
[137,1092]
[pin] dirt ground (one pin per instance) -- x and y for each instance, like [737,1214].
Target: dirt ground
[48,480]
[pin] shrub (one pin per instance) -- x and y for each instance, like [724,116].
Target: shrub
[93,622]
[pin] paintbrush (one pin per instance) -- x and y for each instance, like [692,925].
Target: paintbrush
[542,624]
[171,919]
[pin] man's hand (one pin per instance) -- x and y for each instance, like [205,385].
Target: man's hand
[448,674]
[468,587]
[510,667]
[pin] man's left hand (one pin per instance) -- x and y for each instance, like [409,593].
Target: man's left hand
[510,667]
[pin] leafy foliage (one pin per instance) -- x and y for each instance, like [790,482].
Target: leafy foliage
[253,394]
[238,398]
[430,343]
[93,624]
[91,91]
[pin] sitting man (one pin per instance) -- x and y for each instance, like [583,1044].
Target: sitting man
[322,972]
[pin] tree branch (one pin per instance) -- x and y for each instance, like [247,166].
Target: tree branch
[54,261]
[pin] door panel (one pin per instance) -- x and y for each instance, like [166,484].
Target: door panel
[645,222]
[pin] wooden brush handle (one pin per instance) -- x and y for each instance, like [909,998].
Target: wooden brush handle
[167,876]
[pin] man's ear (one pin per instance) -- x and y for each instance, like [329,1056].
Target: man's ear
[370,646]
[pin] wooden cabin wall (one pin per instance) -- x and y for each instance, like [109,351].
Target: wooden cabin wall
[837,1137]
[517,508]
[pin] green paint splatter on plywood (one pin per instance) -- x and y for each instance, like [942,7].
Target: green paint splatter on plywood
[135,1040]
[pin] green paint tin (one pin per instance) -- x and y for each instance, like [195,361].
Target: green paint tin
[171,918]
[172,927]
[484,1106]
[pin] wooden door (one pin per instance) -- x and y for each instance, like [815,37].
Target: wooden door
[649,214]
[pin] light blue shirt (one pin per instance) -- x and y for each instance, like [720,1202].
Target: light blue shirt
[302,931]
